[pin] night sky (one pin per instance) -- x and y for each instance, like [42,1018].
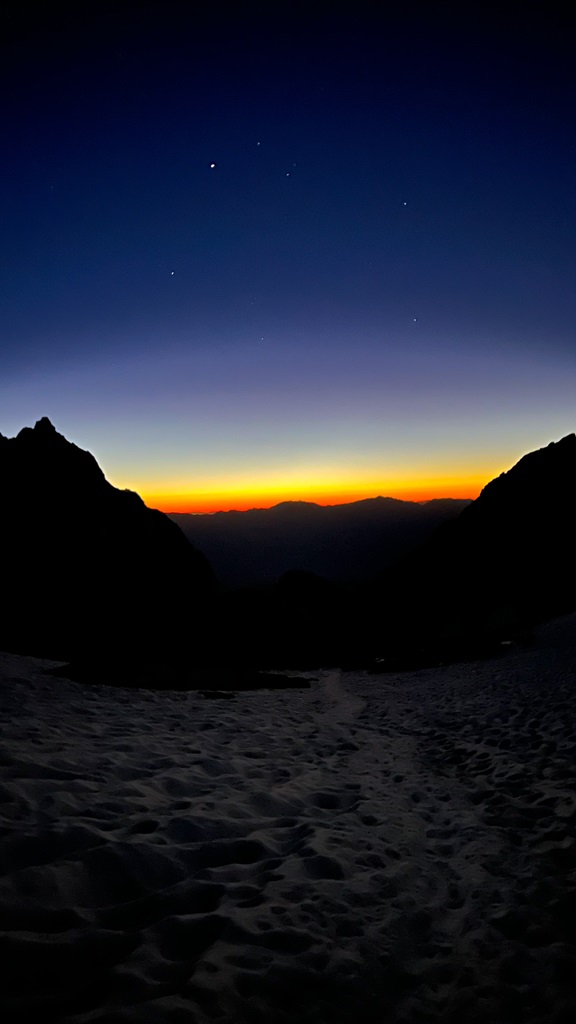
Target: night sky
[301,251]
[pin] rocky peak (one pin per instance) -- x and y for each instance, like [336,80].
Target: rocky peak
[84,563]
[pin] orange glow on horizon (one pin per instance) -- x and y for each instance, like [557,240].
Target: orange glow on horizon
[243,499]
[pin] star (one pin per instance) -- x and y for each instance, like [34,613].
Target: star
[171,273]
[212,166]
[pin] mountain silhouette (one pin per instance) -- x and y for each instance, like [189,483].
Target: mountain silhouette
[506,562]
[344,543]
[88,570]
[85,566]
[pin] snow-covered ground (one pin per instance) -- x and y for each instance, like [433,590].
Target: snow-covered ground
[375,848]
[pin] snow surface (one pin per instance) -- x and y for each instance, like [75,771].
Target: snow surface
[380,848]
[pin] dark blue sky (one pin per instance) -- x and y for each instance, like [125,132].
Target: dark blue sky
[383,251]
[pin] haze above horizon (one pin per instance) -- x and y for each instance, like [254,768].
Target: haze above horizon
[323,252]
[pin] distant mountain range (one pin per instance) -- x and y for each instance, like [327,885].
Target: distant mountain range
[344,543]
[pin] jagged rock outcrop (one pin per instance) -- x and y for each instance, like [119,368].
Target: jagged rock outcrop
[87,568]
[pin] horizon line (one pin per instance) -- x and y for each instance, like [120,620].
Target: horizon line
[189,505]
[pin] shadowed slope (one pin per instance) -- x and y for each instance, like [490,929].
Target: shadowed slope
[507,561]
[84,565]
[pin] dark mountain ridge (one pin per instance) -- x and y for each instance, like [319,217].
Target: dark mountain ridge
[86,565]
[344,543]
[506,562]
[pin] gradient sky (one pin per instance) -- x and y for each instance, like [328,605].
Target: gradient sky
[305,251]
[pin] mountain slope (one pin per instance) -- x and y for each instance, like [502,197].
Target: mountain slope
[507,561]
[86,566]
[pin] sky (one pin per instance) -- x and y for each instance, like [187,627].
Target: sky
[289,251]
